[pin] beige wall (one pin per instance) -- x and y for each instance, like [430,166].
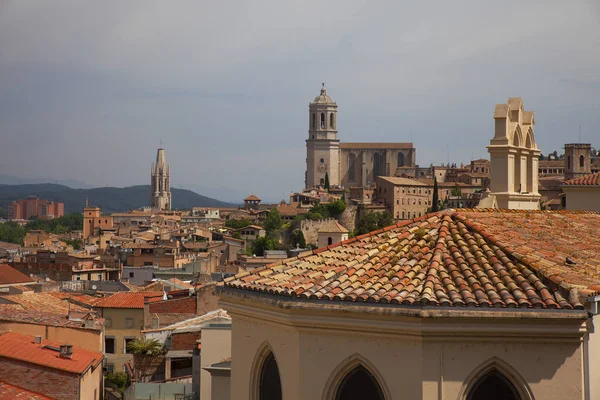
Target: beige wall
[336,237]
[221,387]
[216,347]
[582,198]
[91,384]
[593,352]
[119,331]
[87,339]
[414,358]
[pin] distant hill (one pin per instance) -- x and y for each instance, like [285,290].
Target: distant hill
[110,199]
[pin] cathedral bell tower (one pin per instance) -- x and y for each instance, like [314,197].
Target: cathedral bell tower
[160,198]
[322,145]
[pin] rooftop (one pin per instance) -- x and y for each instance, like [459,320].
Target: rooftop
[23,347]
[46,318]
[128,299]
[333,226]
[456,258]
[356,145]
[45,301]
[10,275]
[586,180]
[12,392]
[252,198]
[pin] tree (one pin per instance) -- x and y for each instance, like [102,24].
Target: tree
[237,223]
[261,244]
[435,206]
[3,213]
[118,379]
[297,239]
[273,222]
[147,357]
[327,181]
[373,221]
[455,191]
[337,207]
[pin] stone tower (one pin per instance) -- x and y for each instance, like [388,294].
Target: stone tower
[160,198]
[322,145]
[514,157]
[577,160]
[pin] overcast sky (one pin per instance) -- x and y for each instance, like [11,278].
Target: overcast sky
[89,89]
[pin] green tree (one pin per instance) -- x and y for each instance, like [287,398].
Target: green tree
[435,206]
[273,222]
[455,191]
[318,211]
[327,181]
[237,235]
[119,379]
[261,244]
[3,213]
[337,207]
[297,239]
[237,223]
[373,221]
[147,357]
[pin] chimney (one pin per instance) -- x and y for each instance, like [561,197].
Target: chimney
[37,340]
[66,351]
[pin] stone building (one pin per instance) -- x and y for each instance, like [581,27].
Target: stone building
[577,160]
[160,198]
[582,193]
[453,305]
[347,164]
[514,158]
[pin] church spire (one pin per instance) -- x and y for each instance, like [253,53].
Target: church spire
[161,176]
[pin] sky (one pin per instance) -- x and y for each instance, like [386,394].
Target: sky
[88,90]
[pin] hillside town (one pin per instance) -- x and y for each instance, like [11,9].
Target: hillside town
[201,303]
[292,201]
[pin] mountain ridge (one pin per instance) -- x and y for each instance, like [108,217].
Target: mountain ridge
[110,199]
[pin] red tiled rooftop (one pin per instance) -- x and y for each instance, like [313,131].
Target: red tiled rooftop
[586,180]
[23,348]
[473,258]
[128,299]
[252,198]
[11,392]
[46,318]
[46,301]
[10,275]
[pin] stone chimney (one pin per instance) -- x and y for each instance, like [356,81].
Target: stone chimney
[37,340]
[66,351]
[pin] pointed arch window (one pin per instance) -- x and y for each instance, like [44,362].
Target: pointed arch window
[351,167]
[323,120]
[493,386]
[401,159]
[359,384]
[269,381]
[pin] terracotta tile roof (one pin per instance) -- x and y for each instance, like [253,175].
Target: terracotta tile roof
[45,318]
[586,180]
[8,391]
[333,226]
[76,297]
[128,299]
[10,275]
[42,302]
[22,347]
[286,210]
[252,198]
[473,258]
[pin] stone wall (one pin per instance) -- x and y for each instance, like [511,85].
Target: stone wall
[310,230]
[349,217]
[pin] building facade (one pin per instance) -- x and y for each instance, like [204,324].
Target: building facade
[160,198]
[577,160]
[94,221]
[34,207]
[347,164]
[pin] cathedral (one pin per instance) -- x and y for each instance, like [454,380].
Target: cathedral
[347,164]
[160,197]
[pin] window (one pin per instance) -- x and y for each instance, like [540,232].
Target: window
[581,161]
[569,162]
[269,382]
[493,385]
[107,322]
[403,201]
[331,121]
[329,240]
[359,384]
[322,120]
[109,345]
[314,122]
[147,262]
[322,161]
[131,274]
[129,322]
[126,342]
[110,368]
[402,214]
[401,159]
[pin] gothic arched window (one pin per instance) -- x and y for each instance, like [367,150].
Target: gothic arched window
[270,383]
[581,161]
[314,121]
[401,159]
[359,384]
[331,121]
[351,167]
[493,386]
[322,120]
